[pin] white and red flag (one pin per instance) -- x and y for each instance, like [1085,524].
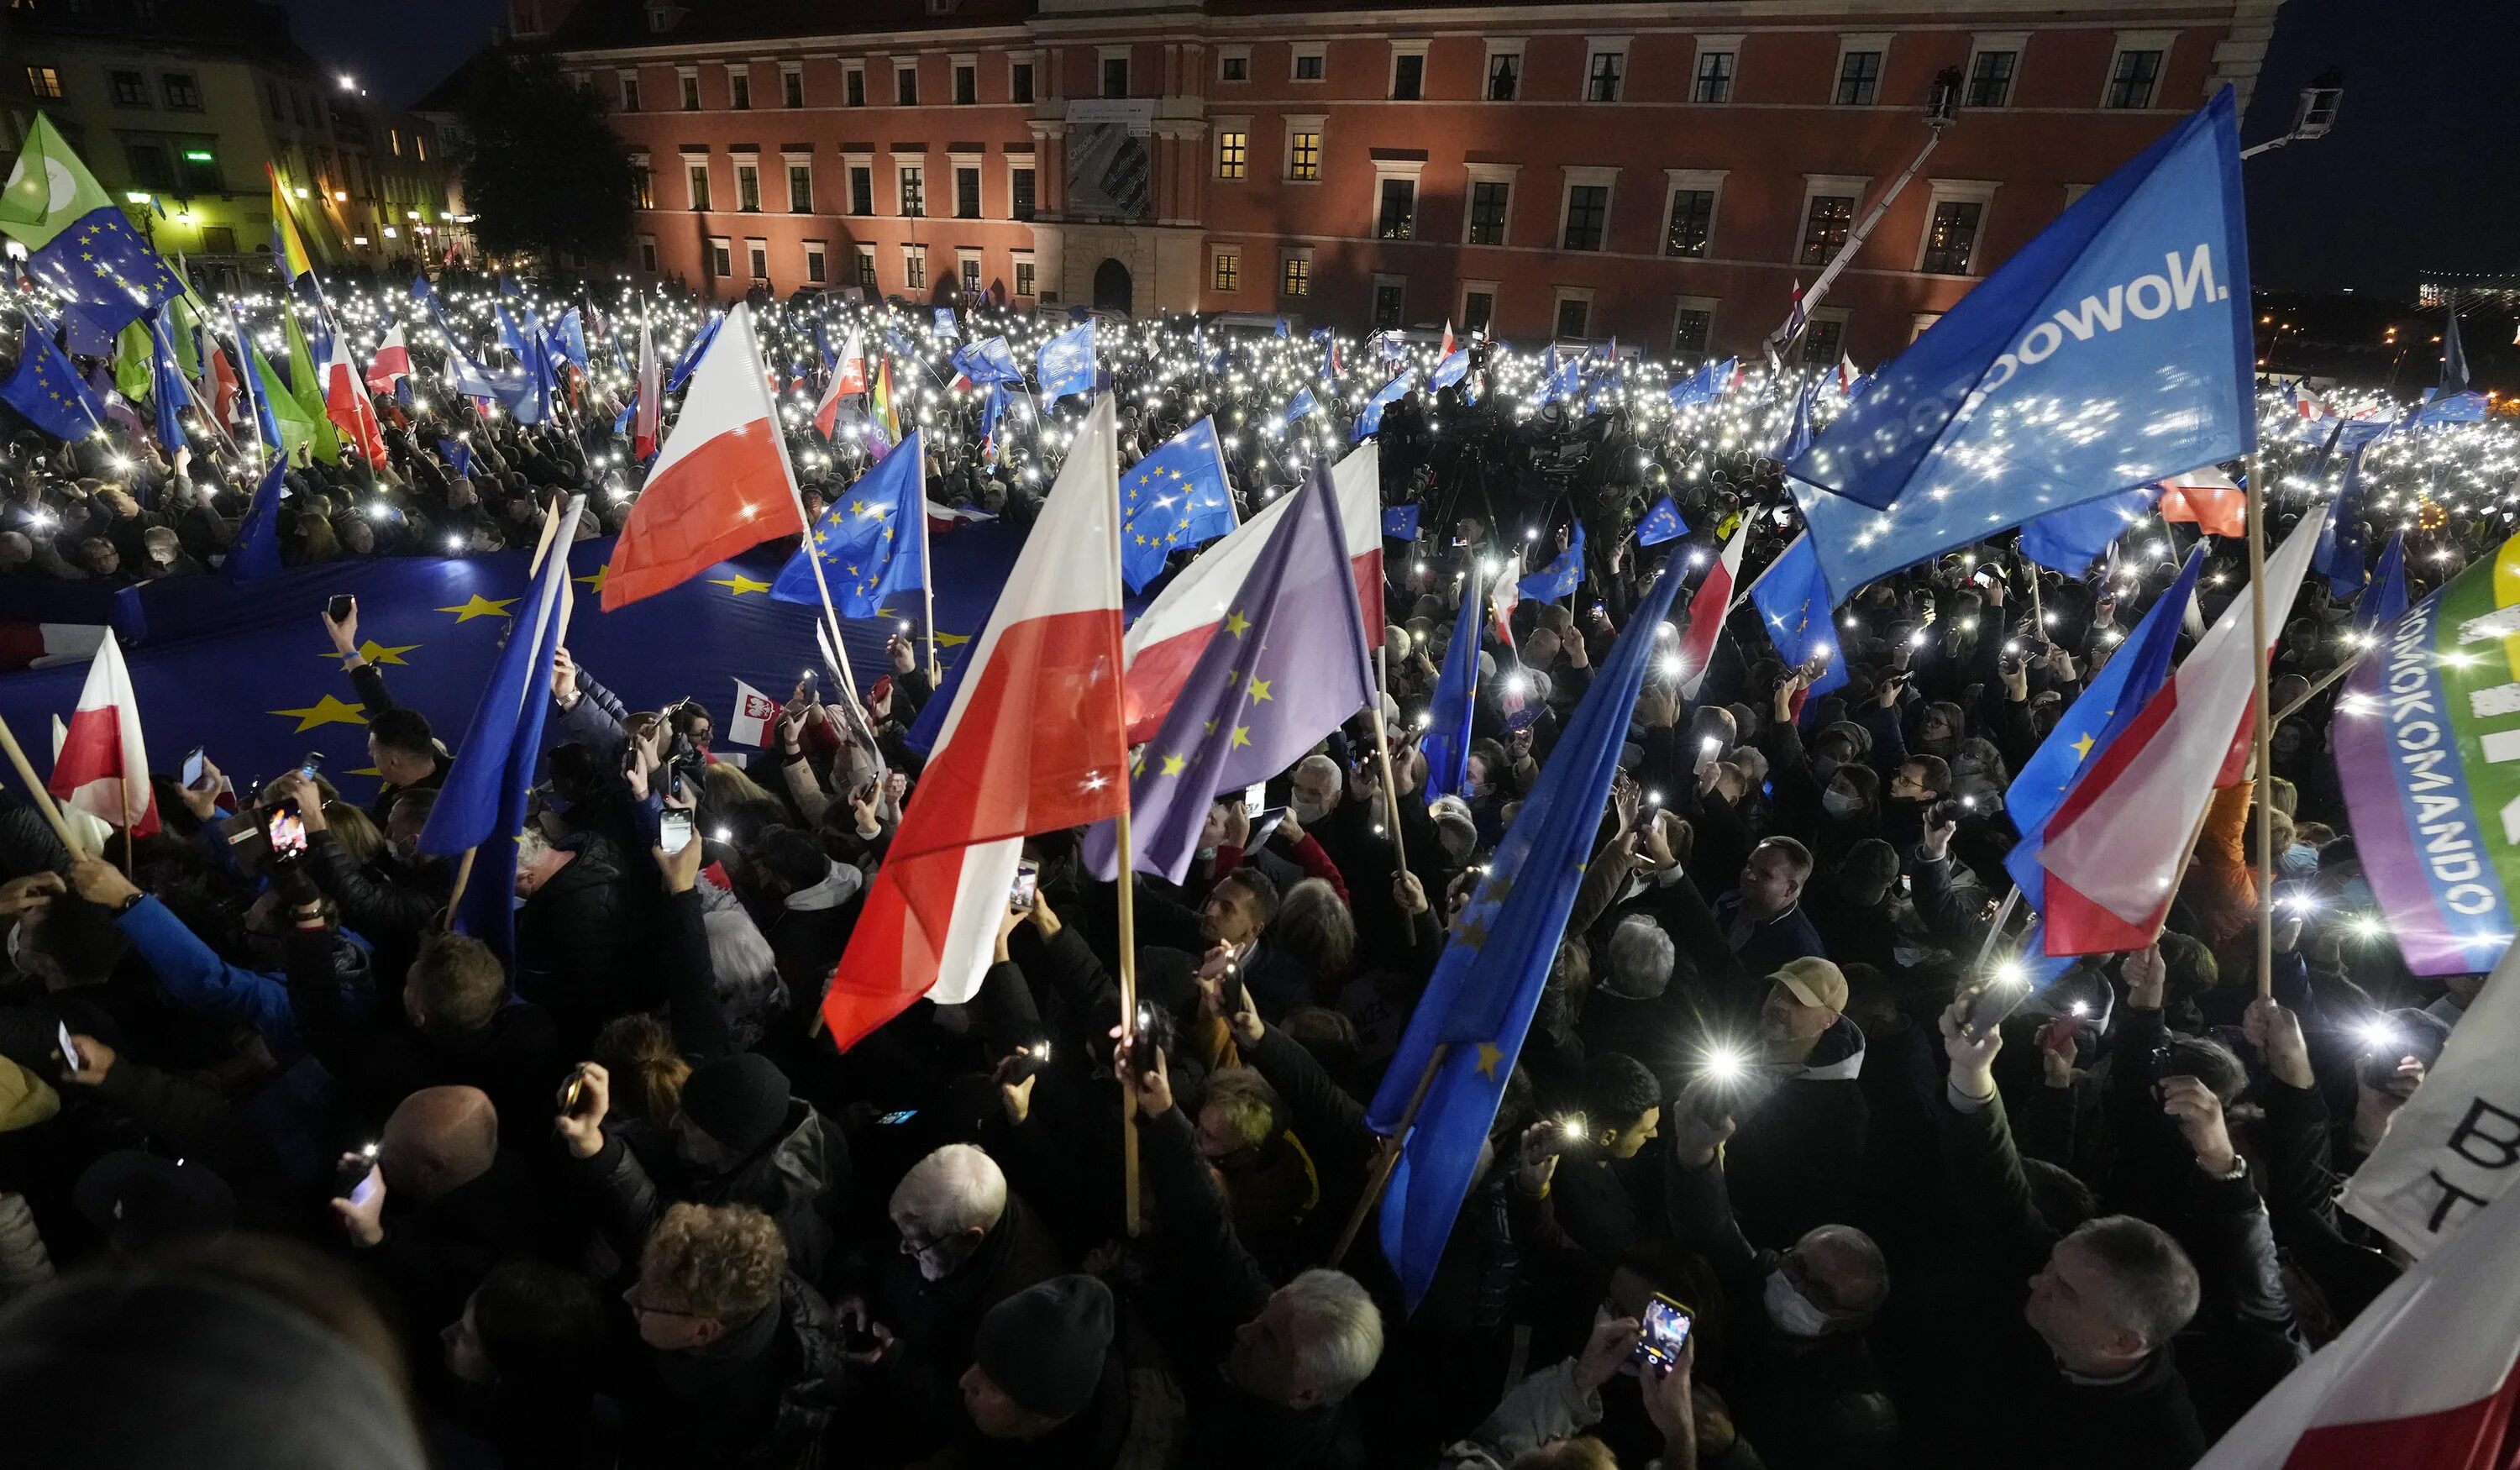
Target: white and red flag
[721,484]
[2208,500]
[647,418]
[102,765]
[755,713]
[2116,846]
[1032,743]
[848,376]
[1707,610]
[346,403]
[1446,350]
[1165,640]
[393,361]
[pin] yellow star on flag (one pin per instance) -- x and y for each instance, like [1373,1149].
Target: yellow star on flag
[1237,624]
[952,640]
[376,652]
[1259,689]
[480,607]
[1242,736]
[1174,765]
[738,584]
[1490,1053]
[595,579]
[328,710]
[2083,747]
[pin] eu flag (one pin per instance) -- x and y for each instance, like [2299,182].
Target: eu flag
[988,362]
[1066,364]
[692,354]
[1447,741]
[257,542]
[1561,576]
[1704,385]
[1400,523]
[2070,540]
[457,455]
[2386,596]
[2339,554]
[1287,664]
[1661,524]
[168,391]
[1794,604]
[946,331]
[78,239]
[1560,379]
[2109,703]
[1174,497]
[871,542]
[2113,351]
[1468,1027]
[47,389]
[482,808]
[1451,370]
[1301,404]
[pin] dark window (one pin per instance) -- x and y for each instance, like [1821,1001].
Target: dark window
[1408,77]
[813,267]
[971,277]
[629,96]
[914,190]
[800,189]
[905,86]
[967,85]
[1831,216]
[182,93]
[739,91]
[1505,75]
[1233,69]
[1020,78]
[1602,83]
[760,259]
[699,175]
[866,271]
[1115,76]
[647,255]
[1390,301]
[1587,210]
[643,185]
[219,240]
[691,92]
[1823,341]
[148,169]
[1478,308]
[1020,206]
[792,93]
[721,262]
[1954,236]
[855,88]
[1024,284]
[914,271]
[1688,337]
[1714,76]
[861,191]
[1692,216]
[1397,215]
[1859,78]
[1574,314]
[1308,68]
[1991,78]
[967,194]
[2131,84]
[1487,201]
[199,168]
[130,88]
[748,188]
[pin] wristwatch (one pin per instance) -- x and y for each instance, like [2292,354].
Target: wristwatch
[129,902]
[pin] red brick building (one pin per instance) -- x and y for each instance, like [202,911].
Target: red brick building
[1663,172]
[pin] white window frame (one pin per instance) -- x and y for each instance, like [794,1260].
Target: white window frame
[817,250]
[911,65]
[1309,122]
[965,258]
[690,202]
[1978,192]
[1287,253]
[858,69]
[956,62]
[1022,162]
[787,69]
[1125,54]
[866,267]
[1030,58]
[1681,305]
[850,161]
[711,244]
[789,159]
[1218,250]
[1921,322]
[2163,41]
[691,74]
[1558,296]
[979,164]
[1382,279]
[1595,46]
[915,251]
[649,259]
[1707,45]
[2074,193]
[1512,46]
[1298,50]
[926,185]
[2015,41]
[1241,53]
[1817,185]
[1221,126]
[1019,262]
[734,69]
[757,251]
[625,80]
[1847,45]
[1572,177]
[1461,304]
[1475,174]
[747,156]
[1695,180]
[1412,169]
[1391,69]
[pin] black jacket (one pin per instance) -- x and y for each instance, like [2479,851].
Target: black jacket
[933,1322]
[583,944]
[759,1398]
[800,1180]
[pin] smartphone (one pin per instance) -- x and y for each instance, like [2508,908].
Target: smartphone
[1667,1325]
[339,608]
[312,766]
[898,1117]
[573,1092]
[287,830]
[1255,798]
[192,771]
[1027,885]
[69,1050]
[1264,826]
[1993,1004]
[673,831]
[355,1178]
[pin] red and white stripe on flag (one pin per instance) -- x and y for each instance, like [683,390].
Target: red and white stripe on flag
[1032,743]
[102,765]
[1707,610]
[393,361]
[754,713]
[2208,500]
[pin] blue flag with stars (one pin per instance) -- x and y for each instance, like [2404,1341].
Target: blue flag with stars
[2386,596]
[1793,602]
[257,542]
[946,331]
[482,806]
[1468,1027]
[1172,498]
[871,541]
[1302,404]
[2090,724]
[47,389]
[1400,523]
[1704,386]
[2070,540]
[692,354]
[1287,664]
[1561,576]
[1066,364]
[1448,711]
[1661,524]
[168,393]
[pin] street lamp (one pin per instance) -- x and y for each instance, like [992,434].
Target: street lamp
[2313,116]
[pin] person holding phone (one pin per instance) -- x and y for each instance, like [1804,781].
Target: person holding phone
[401,746]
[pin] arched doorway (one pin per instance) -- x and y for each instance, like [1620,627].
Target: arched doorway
[1111,287]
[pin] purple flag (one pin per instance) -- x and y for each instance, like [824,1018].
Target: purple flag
[1285,667]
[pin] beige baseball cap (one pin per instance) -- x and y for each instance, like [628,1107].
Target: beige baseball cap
[1813,982]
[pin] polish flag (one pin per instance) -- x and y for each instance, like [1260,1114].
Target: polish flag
[1446,350]
[1167,637]
[346,403]
[722,483]
[1031,743]
[223,383]
[2209,500]
[1846,374]
[2114,849]
[848,376]
[648,416]
[2421,1377]
[943,517]
[1707,611]
[755,714]
[393,361]
[102,765]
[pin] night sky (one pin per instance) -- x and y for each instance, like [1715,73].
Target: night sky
[2422,173]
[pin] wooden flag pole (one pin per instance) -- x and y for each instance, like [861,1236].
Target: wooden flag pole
[455,895]
[35,788]
[1387,1158]
[1382,751]
[2317,684]
[1129,1023]
[2258,614]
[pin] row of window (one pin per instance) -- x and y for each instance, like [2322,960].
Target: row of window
[718,261]
[130,89]
[909,180]
[965,84]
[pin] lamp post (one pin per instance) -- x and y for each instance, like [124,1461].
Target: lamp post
[2313,116]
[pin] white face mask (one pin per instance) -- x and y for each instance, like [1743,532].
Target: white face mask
[1308,811]
[1791,1310]
[1839,804]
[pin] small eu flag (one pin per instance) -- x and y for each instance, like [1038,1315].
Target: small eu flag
[1661,524]
[870,542]
[1174,497]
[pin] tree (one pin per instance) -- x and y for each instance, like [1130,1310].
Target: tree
[542,171]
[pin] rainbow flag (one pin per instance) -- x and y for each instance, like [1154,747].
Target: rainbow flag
[283,229]
[883,426]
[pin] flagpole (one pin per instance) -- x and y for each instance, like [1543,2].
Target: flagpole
[1382,752]
[2321,683]
[36,789]
[926,580]
[2264,817]
[770,406]
[1387,1158]
[1128,1022]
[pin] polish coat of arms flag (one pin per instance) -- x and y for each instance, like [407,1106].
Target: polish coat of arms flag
[102,767]
[754,713]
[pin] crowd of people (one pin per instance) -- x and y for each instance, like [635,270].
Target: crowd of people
[290,1175]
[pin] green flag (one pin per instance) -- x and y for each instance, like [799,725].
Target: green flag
[183,323]
[287,412]
[49,188]
[309,389]
[132,366]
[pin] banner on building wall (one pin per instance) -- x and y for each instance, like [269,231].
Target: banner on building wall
[1109,174]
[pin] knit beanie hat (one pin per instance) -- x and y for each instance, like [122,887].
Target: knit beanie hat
[1044,1345]
[740,1101]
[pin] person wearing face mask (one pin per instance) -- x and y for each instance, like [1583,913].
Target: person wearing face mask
[1914,787]
[1798,1370]
[1804,1119]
